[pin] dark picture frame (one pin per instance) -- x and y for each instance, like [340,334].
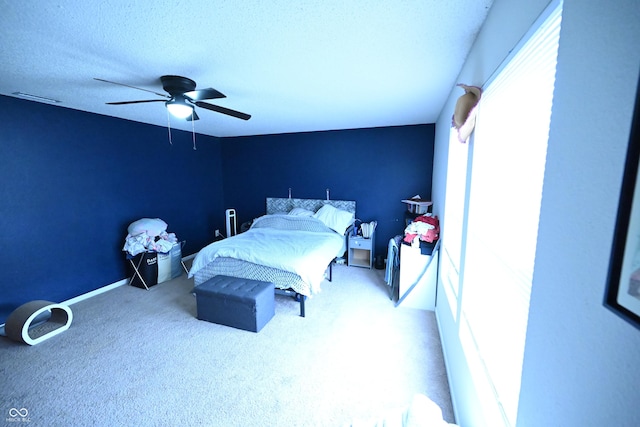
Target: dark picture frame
[623,287]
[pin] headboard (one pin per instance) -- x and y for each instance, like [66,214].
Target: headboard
[275,204]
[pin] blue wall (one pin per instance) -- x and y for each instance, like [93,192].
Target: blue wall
[376,167]
[71,182]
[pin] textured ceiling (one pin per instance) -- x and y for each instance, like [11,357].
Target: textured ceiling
[295,66]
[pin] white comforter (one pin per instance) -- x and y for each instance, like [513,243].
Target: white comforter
[301,245]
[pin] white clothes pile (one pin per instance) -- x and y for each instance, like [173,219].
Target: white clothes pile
[148,235]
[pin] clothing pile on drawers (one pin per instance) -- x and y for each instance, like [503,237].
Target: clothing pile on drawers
[425,227]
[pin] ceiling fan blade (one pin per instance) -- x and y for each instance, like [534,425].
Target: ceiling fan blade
[135,102]
[200,94]
[132,87]
[224,110]
[193,117]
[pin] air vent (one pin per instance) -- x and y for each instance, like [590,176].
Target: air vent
[35,97]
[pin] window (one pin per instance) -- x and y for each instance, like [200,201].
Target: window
[455,208]
[498,227]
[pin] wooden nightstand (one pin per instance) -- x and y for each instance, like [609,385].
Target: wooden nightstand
[360,251]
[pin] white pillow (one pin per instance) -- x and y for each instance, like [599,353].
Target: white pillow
[152,226]
[335,219]
[300,212]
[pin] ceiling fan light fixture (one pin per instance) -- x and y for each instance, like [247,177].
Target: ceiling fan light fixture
[182,98]
[179,108]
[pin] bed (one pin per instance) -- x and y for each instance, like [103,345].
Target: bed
[292,246]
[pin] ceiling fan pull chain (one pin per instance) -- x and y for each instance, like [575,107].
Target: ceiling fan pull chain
[169,127]
[193,131]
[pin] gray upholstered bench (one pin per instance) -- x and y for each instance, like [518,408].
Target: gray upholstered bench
[232,301]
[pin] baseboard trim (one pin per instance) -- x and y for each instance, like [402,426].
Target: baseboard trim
[98,291]
[109,287]
[454,402]
[84,296]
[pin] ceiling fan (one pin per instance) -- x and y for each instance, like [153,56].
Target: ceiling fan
[183,97]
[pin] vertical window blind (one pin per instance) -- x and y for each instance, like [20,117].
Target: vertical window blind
[506,170]
[454,214]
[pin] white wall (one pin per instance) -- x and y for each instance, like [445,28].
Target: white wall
[582,362]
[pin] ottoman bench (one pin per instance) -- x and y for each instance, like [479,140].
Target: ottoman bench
[232,301]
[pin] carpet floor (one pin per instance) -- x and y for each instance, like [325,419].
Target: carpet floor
[137,357]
